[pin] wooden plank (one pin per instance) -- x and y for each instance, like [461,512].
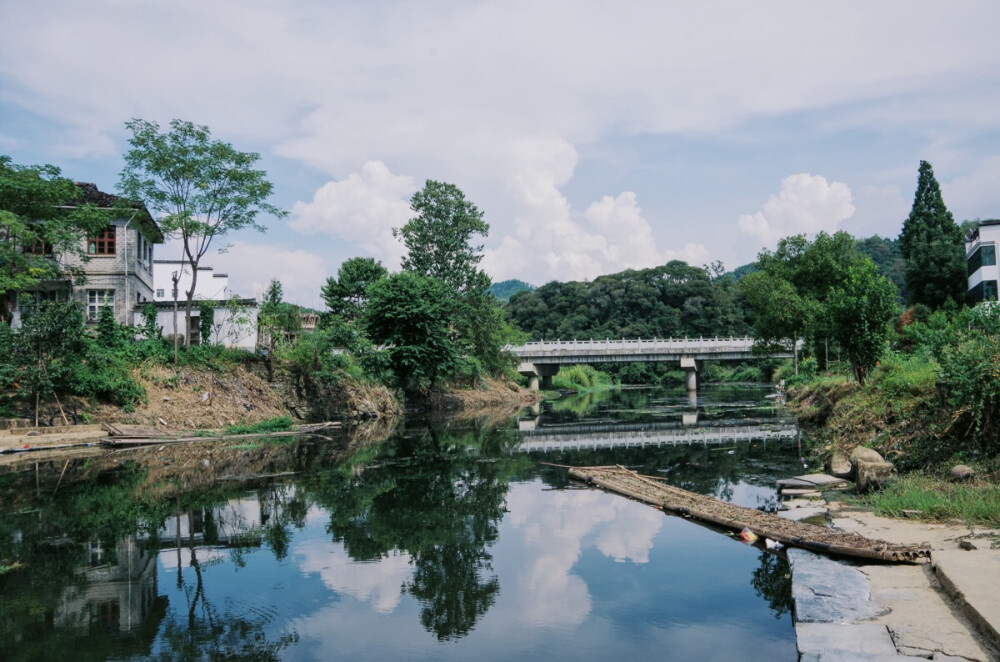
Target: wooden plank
[730,516]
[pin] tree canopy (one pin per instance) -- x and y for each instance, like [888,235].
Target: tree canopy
[346,295]
[932,245]
[673,300]
[440,238]
[201,188]
[42,214]
[821,290]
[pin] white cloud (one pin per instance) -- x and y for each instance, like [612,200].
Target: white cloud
[806,204]
[378,583]
[252,266]
[362,208]
[976,195]
[881,210]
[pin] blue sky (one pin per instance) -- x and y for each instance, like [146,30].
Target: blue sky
[596,137]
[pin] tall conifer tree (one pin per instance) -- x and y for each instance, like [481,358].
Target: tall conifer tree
[931,243]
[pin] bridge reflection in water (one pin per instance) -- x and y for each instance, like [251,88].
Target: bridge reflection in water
[537,437]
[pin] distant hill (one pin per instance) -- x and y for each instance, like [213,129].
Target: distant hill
[506,289]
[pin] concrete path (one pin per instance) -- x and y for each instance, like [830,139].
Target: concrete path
[948,609]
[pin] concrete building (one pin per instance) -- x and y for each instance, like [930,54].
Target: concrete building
[210,285]
[981,258]
[119,268]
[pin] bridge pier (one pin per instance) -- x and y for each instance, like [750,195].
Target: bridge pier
[535,371]
[690,367]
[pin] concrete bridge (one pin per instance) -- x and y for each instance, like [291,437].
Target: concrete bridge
[541,360]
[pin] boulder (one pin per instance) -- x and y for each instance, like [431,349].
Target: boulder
[840,464]
[873,475]
[961,472]
[863,454]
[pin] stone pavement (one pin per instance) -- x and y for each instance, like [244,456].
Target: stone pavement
[948,609]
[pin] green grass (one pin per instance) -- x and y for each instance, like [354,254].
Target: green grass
[936,499]
[276,424]
[580,378]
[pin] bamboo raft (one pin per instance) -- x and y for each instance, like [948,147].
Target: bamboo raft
[708,509]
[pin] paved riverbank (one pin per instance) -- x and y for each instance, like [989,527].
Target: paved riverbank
[947,609]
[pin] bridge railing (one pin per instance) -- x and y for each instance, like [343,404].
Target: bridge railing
[636,345]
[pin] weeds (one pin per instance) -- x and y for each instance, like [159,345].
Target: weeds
[937,499]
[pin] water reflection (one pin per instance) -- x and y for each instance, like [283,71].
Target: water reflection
[447,541]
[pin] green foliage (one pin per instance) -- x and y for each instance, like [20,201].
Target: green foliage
[887,256]
[280,322]
[206,321]
[937,499]
[41,215]
[859,310]
[276,424]
[932,245]
[200,188]
[412,316]
[150,329]
[822,291]
[439,238]
[580,377]
[346,295]
[504,290]
[674,300]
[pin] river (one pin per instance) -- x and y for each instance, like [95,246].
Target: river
[449,540]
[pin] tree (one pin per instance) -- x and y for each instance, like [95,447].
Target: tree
[40,217]
[279,321]
[412,315]
[932,245]
[201,188]
[860,310]
[47,349]
[346,295]
[439,238]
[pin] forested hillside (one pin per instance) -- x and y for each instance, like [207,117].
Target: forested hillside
[504,290]
[674,300]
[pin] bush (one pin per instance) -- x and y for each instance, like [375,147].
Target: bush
[578,377]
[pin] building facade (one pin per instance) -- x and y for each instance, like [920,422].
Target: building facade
[118,270]
[981,258]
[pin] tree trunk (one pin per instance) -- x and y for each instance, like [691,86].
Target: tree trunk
[190,304]
[175,277]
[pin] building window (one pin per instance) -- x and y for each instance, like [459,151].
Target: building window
[985,291]
[39,248]
[96,299]
[103,243]
[159,293]
[985,256]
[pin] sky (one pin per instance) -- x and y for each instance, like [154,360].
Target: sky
[594,136]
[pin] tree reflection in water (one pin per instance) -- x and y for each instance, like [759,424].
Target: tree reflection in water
[440,502]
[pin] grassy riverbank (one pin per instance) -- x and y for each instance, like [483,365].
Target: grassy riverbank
[927,497]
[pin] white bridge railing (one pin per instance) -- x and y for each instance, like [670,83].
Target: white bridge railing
[634,346]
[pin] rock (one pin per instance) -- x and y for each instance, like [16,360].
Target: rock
[873,475]
[840,464]
[862,453]
[961,472]
[967,545]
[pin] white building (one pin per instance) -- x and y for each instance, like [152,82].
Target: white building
[234,322]
[981,258]
[210,285]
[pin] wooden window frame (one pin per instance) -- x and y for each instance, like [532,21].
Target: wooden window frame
[103,243]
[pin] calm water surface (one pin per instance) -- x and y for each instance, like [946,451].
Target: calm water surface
[445,541]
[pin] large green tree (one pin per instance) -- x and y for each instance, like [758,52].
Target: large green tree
[42,216]
[202,189]
[932,245]
[822,291]
[442,241]
[412,315]
[347,294]
[441,238]
[860,309]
